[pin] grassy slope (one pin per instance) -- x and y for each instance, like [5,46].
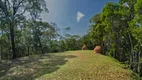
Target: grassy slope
[71,65]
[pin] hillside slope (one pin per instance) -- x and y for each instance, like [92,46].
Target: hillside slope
[71,65]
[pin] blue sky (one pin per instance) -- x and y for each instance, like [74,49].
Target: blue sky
[64,13]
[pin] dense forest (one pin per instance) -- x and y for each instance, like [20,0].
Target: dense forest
[22,36]
[117,29]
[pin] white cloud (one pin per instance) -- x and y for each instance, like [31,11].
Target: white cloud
[79,16]
[125,4]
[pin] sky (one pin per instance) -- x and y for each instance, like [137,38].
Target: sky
[73,13]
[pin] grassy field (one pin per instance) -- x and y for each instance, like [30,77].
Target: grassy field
[71,65]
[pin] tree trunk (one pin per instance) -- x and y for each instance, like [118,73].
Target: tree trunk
[1,47]
[50,44]
[132,52]
[28,50]
[12,40]
[139,62]
[41,46]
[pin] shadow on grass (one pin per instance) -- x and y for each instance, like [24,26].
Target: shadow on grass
[32,67]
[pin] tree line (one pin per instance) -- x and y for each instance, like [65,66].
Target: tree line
[23,33]
[118,30]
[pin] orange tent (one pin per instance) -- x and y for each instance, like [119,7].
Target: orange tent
[97,49]
[84,47]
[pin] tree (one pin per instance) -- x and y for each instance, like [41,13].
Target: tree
[118,27]
[14,9]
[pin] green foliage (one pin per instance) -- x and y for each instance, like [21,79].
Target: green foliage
[117,29]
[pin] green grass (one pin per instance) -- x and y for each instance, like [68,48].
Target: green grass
[71,65]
